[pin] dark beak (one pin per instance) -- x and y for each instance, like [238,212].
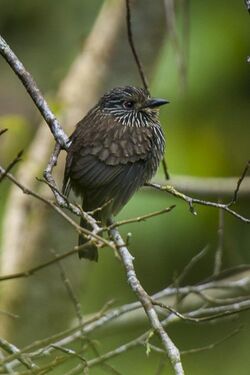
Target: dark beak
[155,102]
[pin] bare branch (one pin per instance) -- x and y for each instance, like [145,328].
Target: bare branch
[132,46]
[216,187]
[35,94]
[11,165]
[72,295]
[211,346]
[165,168]
[191,201]
[140,341]
[239,182]
[73,209]
[202,348]
[140,218]
[241,283]
[10,348]
[194,260]
[35,269]
[127,260]
[140,69]
[48,171]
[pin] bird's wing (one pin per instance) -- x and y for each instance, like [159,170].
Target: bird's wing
[101,148]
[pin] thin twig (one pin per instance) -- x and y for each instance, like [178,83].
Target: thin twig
[72,295]
[66,337]
[141,70]
[235,196]
[200,319]
[191,201]
[113,353]
[220,301]
[165,168]
[35,269]
[59,338]
[70,352]
[59,360]
[217,187]
[11,165]
[202,348]
[141,341]
[93,235]
[211,346]
[35,94]
[132,46]
[57,209]
[212,313]
[194,260]
[139,218]
[107,367]
[10,348]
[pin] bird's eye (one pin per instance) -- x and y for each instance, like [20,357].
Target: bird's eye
[128,104]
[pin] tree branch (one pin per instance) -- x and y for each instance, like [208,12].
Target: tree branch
[11,165]
[134,52]
[12,349]
[140,69]
[127,260]
[216,187]
[221,287]
[191,201]
[35,94]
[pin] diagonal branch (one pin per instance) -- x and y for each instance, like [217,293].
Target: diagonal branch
[2,131]
[59,210]
[127,260]
[34,92]
[11,165]
[12,349]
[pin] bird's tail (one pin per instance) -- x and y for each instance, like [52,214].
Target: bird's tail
[88,251]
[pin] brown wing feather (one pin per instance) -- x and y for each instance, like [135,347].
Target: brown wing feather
[107,141]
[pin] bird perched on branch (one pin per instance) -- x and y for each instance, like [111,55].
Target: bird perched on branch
[114,150]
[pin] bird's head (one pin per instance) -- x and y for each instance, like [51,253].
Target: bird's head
[131,106]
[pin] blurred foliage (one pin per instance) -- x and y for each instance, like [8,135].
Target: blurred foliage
[208,133]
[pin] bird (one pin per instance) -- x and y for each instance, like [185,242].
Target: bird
[114,150]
